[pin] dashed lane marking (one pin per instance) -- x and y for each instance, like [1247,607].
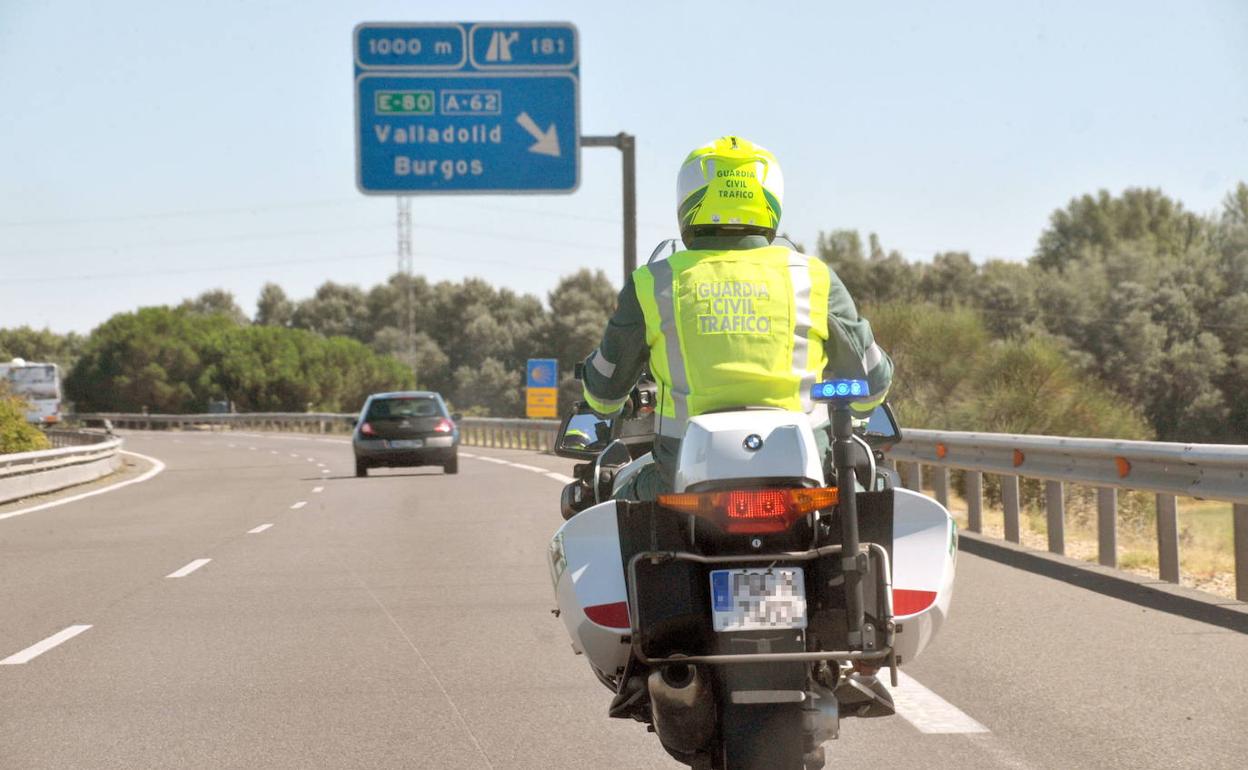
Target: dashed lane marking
[39,648]
[929,712]
[533,468]
[324,470]
[188,569]
[317,490]
[259,529]
[298,505]
[157,467]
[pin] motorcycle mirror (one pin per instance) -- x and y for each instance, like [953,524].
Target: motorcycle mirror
[882,431]
[583,434]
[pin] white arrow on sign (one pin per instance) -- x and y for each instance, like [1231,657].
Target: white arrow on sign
[547,141]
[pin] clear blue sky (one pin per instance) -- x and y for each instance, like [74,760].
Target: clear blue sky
[152,150]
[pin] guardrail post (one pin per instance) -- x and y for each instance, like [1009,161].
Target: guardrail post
[911,476]
[940,484]
[1168,538]
[975,501]
[1055,512]
[1107,526]
[1009,502]
[1240,514]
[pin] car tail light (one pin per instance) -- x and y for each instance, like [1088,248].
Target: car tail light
[367,430]
[753,511]
[444,426]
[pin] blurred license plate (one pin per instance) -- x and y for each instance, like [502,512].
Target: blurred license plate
[411,443]
[747,599]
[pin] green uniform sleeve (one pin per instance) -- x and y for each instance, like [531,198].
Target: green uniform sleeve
[612,370]
[851,348]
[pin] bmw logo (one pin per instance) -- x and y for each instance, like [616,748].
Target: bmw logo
[753,442]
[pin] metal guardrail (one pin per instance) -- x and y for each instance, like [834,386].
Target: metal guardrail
[1206,471]
[537,435]
[25,474]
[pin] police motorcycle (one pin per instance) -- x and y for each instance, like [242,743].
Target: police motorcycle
[744,615]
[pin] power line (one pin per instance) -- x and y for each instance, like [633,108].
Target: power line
[194,241]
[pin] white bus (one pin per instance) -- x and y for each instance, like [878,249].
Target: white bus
[39,384]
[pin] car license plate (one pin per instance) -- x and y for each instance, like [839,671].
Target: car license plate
[411,443]
[748,599]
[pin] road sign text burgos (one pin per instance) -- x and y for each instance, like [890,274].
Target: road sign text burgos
[467,108]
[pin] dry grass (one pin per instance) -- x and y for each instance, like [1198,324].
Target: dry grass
[1206,556]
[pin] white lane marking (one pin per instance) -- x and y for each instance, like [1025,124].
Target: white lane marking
[324,470]
[157,467]
[39,648]
[231,446]
[466,454]
[533,468]
[317,490]
[929,712]
[273,452]
[188,569]
[493,460]
[560,477]
[251,448]
[311,459]
[292,454]
[258,529]
[298,505]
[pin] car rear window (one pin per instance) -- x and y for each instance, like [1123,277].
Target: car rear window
[418,406]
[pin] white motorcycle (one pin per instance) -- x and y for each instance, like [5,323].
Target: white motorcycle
[748,612]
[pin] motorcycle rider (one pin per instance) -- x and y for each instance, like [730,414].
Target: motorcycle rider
[732,321]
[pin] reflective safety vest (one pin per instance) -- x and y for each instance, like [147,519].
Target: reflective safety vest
[734,328]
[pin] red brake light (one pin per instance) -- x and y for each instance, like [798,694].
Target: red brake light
[753,511]
[367,430]
[444,426]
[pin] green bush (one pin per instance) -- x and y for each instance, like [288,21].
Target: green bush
[17,435]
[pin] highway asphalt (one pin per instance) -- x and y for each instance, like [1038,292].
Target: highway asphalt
[403,621]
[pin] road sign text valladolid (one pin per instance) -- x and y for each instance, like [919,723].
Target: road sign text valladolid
[467,108]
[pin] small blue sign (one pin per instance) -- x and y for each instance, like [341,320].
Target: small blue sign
[467,108]
[543,373]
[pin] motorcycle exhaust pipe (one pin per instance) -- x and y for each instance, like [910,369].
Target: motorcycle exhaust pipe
[683,707]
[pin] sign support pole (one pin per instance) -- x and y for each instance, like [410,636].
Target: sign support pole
[627,145]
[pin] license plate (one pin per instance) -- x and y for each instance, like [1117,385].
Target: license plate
[411,443]
[748,599]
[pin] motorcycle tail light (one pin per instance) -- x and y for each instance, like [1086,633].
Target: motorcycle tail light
[444,426]
[367,430]
[752,511]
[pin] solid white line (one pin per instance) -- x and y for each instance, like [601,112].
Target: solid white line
[298,505]
[258,529]
[927,711]
[560,477]
[493,460]
[533,468]
[466,454]
[188,569]
[317,490]
[157,467]
[35,650]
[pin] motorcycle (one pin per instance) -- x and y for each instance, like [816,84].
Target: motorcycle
[744,615]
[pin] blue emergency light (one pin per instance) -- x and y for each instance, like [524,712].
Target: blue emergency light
[840,390]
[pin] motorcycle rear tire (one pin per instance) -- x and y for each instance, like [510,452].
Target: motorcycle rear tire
[762,737]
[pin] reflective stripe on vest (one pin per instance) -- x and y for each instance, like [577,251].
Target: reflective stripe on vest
[734,328]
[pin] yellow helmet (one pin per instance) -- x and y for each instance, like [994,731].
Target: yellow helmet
[730,184]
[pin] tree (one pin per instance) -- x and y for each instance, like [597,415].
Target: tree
[334,310]
[274,308]
[216,301]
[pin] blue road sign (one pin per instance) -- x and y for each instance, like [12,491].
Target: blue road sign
[543,373]
[467,108]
